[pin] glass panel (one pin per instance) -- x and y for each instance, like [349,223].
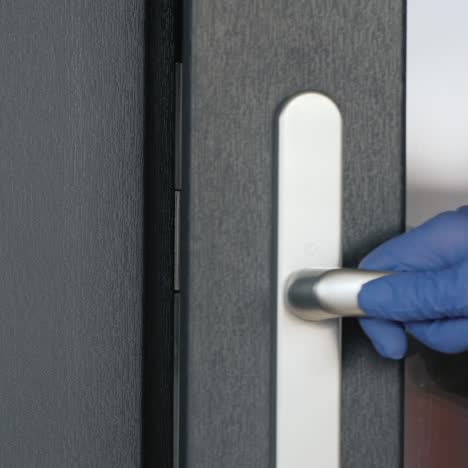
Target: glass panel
[436,385]
[436,414]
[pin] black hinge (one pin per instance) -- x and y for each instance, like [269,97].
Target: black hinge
[177,174]
[177,198]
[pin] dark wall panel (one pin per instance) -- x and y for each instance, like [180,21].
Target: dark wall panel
[71,232]
[242,59]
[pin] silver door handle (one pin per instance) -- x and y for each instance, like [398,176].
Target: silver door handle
[320,294]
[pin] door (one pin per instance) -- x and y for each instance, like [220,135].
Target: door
[71,236]
[86,235]
[93,314]
[242,61]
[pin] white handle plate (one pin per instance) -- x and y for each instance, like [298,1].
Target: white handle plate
[309,236]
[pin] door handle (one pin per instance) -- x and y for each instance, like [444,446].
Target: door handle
[319,294]
[309,233]
[309,236]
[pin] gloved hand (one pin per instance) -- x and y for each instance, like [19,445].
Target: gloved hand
[428,296]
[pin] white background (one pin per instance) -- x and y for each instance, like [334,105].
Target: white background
[437,107]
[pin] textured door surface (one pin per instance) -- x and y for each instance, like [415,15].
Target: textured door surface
[86,120]
[71,233]
[241,61]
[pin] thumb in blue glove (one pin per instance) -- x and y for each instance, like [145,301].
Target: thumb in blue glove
[427,296]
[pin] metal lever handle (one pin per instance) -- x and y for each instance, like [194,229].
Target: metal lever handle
[327,294]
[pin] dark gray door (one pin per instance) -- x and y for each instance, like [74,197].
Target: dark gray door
[86,91]
[87,172]
[242,59]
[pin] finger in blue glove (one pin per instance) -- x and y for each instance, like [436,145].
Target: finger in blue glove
[427,296]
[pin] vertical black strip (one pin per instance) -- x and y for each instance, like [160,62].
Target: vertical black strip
[158,367]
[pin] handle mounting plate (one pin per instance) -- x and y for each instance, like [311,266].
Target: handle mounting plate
[309,236]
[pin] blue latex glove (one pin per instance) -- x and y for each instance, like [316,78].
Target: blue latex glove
[428,296]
